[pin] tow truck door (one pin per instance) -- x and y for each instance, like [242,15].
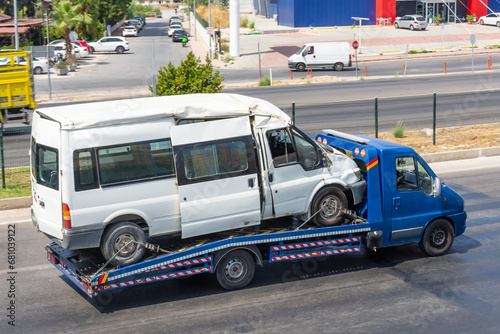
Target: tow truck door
[413,202]
[217,176]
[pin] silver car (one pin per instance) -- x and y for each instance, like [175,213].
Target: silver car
[411,22]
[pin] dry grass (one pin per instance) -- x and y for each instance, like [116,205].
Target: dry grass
[449,139]
[220,16]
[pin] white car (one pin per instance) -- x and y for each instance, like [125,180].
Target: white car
[173,27]
[492,19]
[60,50]
[130,31]
[40,65]
[110,44]
[411,22]
[76,46]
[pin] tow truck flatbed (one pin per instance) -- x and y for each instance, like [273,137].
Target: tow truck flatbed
[273,244]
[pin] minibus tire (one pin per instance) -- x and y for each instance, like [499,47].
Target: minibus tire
[235,270]
[116,237]
[325,216]
[437,238]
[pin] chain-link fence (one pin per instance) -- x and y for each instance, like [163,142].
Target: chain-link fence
[14,161]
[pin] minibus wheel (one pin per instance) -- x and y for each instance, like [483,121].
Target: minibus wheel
[126,240]
[327,205]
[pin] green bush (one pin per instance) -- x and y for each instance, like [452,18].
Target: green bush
[224,47]
[190,77]
[244,23]
[399,131]
[265,82]
[227,59]
[252,25]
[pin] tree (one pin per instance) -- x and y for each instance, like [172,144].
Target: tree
[66,16]
[189,78]
[114,10]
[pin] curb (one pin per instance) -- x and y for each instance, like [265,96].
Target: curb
[15,203]
[25,202]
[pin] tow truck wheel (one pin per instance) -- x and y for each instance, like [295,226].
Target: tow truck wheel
[235,270]
[438,238]
[125,240]
[326,205]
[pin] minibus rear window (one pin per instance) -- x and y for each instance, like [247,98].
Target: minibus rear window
[45,165]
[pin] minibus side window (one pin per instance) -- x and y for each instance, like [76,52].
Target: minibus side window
[135,161]
[215,159]
[85,170]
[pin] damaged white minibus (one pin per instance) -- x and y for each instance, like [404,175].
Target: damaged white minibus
[108,173]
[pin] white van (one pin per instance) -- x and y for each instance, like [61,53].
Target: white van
[108,173]
[322,55]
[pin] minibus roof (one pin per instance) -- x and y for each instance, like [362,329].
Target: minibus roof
[188,106]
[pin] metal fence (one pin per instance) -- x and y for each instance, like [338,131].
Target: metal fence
[14,161]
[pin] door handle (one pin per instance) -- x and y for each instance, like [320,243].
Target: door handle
[270,177]
[250,183]
[396,201]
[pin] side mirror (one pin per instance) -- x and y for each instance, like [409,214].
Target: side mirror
[436,187]
[304,53]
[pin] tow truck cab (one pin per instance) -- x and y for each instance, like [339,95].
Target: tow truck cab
[404,198]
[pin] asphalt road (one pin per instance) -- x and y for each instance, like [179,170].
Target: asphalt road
[396,290]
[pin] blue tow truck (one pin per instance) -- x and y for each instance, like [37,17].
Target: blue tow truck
[404,202]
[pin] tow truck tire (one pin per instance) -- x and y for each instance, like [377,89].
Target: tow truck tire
[327,201]
[438,238]
[235,270]
[116,237]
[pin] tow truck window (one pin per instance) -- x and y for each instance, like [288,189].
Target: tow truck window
[411,176]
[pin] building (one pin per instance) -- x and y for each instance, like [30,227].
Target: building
[324,13]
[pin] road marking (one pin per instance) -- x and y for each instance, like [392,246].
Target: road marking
[25,269]
[17,222]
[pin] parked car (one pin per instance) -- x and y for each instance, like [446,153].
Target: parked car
[84,45]
[141,17]
[173,27]
[138,23]
[76,46]
[492,19]
[60,51]
[40,65]
[173,18]
[178,35]
[130,30]
[411,22]
[110,44]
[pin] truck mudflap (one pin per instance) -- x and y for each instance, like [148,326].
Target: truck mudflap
[85,268]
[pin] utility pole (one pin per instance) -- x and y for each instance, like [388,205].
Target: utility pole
[46,6]
[210,25]
[16,32]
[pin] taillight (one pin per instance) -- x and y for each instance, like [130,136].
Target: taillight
[416,22]
[66,216]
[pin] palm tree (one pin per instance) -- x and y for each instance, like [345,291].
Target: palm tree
[66,16]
